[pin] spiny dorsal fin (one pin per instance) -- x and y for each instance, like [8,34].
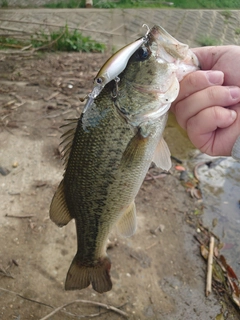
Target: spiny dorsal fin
[127,224]
[67,138]
[58,209]
[162,156]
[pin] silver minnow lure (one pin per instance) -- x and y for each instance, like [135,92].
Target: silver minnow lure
[112,68]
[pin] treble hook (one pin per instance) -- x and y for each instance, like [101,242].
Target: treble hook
[148,29]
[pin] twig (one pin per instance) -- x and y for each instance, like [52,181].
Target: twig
[8,104]
[195,170]
[4,272]
[54,25]
[53,95]
[102,305]
[15,30]
[19,295]
[19,217]
[206,230]
[152,245]
[27,47]
[48,45]
[209,267]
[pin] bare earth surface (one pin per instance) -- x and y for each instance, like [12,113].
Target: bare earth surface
[157,274]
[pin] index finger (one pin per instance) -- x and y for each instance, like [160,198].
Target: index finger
[199,80]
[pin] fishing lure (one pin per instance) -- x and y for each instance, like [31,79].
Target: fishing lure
[112,68]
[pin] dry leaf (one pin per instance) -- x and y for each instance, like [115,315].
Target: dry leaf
[204,252]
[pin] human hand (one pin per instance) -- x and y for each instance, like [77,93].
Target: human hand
[208,102]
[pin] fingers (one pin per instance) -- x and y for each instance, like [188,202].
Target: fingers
[212,96]
[214,130]
[199,80]
[224,58]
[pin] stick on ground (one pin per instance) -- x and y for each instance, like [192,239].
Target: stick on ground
[209,267]
[98,304]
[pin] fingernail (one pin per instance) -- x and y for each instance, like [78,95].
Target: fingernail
[233,114]
[234,92]
[214,77]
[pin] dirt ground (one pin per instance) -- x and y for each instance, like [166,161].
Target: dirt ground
[157,274]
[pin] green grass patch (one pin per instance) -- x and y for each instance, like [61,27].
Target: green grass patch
[226,14]
[237,31]
[184,4]
[66,4]
[207,4]
[61,40]
[207,41]
[4,3]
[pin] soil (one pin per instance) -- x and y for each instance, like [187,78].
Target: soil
[157,274]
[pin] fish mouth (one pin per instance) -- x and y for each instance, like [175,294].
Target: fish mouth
[168,48]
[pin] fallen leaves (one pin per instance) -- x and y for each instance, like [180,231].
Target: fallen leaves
[225,280]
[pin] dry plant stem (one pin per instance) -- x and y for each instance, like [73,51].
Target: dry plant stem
[19,217]
[49,44]
[98,304]
[53,25]
[209,269]
[25,298]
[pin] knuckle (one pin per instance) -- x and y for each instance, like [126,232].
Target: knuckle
[192,79]
[212,94]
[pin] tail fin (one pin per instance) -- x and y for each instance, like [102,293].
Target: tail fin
[80,276]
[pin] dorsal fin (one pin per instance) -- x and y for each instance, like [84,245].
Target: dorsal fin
[67,138]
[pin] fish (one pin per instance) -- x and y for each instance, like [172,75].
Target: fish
[109,149]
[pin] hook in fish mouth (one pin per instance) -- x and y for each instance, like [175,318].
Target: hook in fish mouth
[148,30]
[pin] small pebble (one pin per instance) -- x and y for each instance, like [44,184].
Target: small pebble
[15,164]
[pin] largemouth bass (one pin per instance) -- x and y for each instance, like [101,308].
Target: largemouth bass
[109,152]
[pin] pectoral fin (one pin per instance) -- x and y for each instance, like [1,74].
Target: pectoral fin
[127,225]
[135,149]
[236,149]
[58,209]
[162,156]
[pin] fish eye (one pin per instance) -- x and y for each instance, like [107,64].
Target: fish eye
[99,80]
[142,54]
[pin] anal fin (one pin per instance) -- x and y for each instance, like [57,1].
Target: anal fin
[59,212]
[127,224]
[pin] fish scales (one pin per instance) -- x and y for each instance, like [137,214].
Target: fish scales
[116,138]
[105,184]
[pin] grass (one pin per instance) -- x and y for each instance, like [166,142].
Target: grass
[66,4]
[61,40]
[4,3]
[207,4]
[226,14]
[184,4]
[207,41]
[237,31]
